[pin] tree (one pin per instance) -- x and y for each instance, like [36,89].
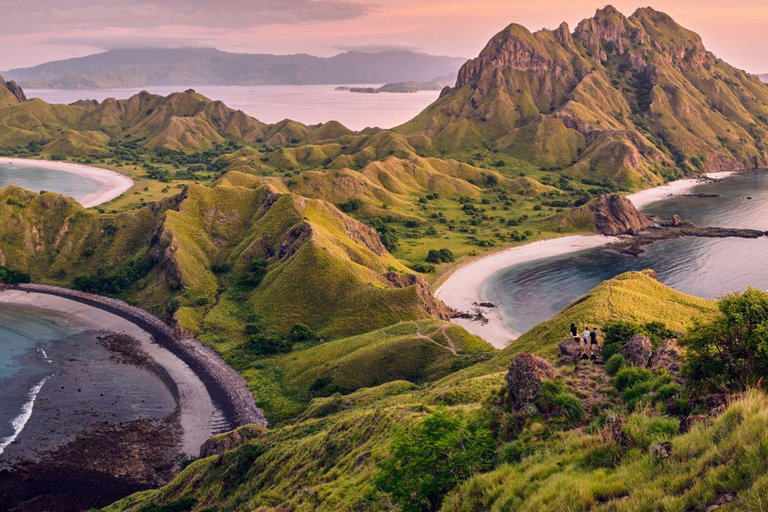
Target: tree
[434,457]
[731,351]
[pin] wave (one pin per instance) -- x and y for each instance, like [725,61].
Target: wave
[20,421]
[45,357]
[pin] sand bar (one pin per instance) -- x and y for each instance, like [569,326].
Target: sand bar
[464,290]
[196,405]
[113,184]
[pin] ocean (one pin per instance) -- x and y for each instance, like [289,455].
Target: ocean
[533,292]
[308,104]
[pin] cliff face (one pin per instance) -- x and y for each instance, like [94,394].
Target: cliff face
[637,99]
[616,215]
[10,92]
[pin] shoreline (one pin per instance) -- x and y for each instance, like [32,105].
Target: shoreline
[227,388]
[113,183]
[196,407]
[464,289]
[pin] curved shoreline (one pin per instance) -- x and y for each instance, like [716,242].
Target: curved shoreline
[464,289]
[113,183]
[226,386]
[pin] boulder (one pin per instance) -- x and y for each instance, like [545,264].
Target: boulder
[637,351]
[570,350]
[687,423]
[231,440]
[660,451]
[616,215]
[667,357]
[526,373]
[613,429]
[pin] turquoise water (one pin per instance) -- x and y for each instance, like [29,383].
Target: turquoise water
[530,293]
[36,180]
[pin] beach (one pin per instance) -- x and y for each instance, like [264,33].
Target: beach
[464,290]
[113,184]
[196,406]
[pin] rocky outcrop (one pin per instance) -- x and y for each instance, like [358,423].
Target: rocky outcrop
[231,440]
[526,373]
[616,215]
[570,350]
[667,357]
[660,450]
[637,350]
[15,89]
[689,421]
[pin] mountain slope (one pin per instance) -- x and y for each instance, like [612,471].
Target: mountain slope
[180,121]
[636,99]
[207,66]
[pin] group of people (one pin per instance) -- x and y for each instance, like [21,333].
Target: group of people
[588,337]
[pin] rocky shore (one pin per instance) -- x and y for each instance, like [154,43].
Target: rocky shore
[225,385]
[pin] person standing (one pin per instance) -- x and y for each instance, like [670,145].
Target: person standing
[574,332]
[593,342]
[585,337]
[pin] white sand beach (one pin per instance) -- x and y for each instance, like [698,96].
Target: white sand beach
[196,405]
[465,288]
[113,183]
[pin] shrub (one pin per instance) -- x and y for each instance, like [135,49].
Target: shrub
[615,363]
[642,430]
[629,377]
[570,407]
[512,453]
[257,273]
[351,206]
[301,332]
[731,352]
[433,457]
[440,256]
[10,276]
[617,332]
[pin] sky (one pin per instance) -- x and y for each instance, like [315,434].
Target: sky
[37,31]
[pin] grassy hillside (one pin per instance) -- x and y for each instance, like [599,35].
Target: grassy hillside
[328,457]
[635,99]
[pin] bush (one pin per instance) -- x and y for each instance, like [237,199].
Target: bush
[257,273]
[602,456]
[9,276]
[433,457]
[615,363]
[618,332]
[351,206]
[440,256]
[512,453]
[628,377]
[731,352]
[301,332]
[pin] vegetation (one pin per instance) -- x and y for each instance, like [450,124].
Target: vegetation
[731,352]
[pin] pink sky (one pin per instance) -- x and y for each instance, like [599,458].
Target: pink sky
[36,31]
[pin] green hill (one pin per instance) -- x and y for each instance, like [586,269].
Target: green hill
[636,99]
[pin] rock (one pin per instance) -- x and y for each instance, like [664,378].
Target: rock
[689,421]
[717,403]
[721,500]
[616,215]
[676,221]
[613,429]
[231,440]
[526,373]
[637,351]
[660,451]
[570,350]
[667,356]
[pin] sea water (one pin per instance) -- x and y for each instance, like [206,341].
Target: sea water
[532,292]
[37,180]
[308,104]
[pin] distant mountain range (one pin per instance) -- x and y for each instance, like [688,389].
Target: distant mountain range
[208,66]
[764,77]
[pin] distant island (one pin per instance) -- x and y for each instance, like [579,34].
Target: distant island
[763,77]
[209,66]
[401,87]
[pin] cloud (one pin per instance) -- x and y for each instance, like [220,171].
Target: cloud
[35,16]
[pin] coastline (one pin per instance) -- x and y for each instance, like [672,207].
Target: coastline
[464,289]
[196,408]
[113,183]
[228,388]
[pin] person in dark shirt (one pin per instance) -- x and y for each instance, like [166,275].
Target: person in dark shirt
[593,344]
[574,332]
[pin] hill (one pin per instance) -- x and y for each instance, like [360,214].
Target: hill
[635,99]
[328,457]
[208,66]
